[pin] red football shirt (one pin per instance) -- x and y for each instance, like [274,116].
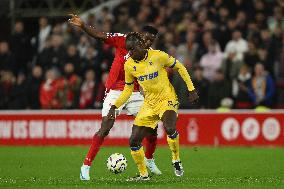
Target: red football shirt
[115,80]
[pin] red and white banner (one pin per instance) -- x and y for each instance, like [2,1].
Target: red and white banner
[75,127]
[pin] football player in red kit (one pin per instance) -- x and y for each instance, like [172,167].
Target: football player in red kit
[114,86]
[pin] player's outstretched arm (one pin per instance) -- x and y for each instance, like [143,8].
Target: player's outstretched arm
[78,22]
[126,93]
[124,96]
[193,96]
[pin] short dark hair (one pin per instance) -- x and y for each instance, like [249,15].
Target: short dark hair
[150,29]
[135,36]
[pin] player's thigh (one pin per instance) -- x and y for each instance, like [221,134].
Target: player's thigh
[134,103]
[137,134]
[169,120]
[109,100]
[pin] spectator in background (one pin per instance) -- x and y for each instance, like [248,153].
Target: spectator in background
[222,20]
[265,61]
[211,61]
[201,85]
[269,47]
[19,94]
[204,44]
[92,61]
[240,88]
[226,105]
[57,29]
[33,85]
[280,61]
[72,56]
[276,20]
[20,46]
[251,56]
[168,42]
[69,95]
[186,52]
[218,90]
[241,21]
[91,20]
[100,92]
[105,15]
[44,32]
[53,55]
[252,31]
[262,87]
[87,90]
[121,23]
[231,65]
[83,46]
[7,58]
[7,88]
[237,43]
[49,90]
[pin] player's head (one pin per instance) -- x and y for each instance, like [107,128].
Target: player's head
[135,45]
[150,34]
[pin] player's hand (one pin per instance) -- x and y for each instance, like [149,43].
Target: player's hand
[111,113]
[76,21]
[193,97]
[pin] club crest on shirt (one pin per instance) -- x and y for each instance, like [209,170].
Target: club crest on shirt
[134,68]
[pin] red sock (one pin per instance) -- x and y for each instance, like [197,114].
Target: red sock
[150,145]
[94,148]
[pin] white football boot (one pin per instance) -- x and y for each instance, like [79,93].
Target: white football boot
[85,172]
[150,164]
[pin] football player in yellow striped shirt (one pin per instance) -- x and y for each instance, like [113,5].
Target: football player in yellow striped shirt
[161,103]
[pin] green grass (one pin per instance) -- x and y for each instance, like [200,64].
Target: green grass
[58,167]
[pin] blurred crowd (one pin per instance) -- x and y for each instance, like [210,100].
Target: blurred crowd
[234,51]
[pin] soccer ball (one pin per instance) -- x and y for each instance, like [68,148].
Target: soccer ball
[116,163]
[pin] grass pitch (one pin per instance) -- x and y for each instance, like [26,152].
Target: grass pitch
[59,167]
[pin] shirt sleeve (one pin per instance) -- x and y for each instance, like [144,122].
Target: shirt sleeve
[128,88]
[168,60]
[115,39]
[172,62]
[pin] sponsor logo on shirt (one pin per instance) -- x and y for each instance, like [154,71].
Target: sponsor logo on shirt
[148,76]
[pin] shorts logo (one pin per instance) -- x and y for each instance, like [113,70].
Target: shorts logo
[170,103]
[149,76]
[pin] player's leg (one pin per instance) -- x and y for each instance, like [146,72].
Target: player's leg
[150,142]
[137,152]
[169,119]
[97,141]
[99,136]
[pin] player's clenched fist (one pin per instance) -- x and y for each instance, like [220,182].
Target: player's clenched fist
[76,20]
[193,97]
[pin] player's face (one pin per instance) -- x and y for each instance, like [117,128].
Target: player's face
[135,50]
[149,39]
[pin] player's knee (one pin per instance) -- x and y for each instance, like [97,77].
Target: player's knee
[170,127]
[134,142]
[170,130]
[103,132]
